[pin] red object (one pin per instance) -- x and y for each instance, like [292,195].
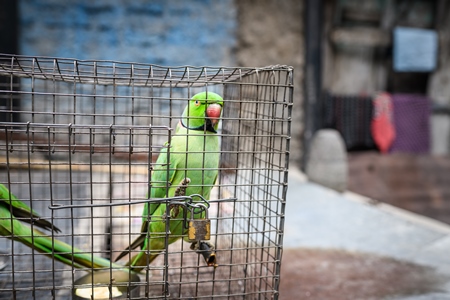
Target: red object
[382,127]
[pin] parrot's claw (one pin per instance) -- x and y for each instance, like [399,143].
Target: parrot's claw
[198,244]
[195,246]
[180,191]
[174,210]
[206,249]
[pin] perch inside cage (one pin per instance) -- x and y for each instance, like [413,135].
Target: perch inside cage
[171,182]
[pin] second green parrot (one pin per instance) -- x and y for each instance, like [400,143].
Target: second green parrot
[14,212]
[191,161]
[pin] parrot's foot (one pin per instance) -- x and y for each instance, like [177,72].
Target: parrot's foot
[206,249]
[181,189]
[197,246]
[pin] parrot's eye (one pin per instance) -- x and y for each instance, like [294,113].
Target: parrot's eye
[197,103]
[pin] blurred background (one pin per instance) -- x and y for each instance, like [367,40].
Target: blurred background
[371,99]
[371,87]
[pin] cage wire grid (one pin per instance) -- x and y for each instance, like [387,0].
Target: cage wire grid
[79,142]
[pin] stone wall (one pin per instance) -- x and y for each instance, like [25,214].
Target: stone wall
[171,32]
[439,86]
[271,32]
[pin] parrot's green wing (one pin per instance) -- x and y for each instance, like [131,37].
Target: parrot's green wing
[162,177]
[22,211]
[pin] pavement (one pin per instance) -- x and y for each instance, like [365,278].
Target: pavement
[318,217]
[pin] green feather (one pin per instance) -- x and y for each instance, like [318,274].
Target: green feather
[192,153]
[22,211]
[11,226]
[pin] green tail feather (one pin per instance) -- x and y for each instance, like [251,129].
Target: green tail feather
[53,247]
[13,211]
[67,254]
[23,211]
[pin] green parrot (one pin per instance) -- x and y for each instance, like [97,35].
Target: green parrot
[191,165]
[13,212]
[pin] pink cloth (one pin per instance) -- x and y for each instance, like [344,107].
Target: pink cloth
[412,123]
[382,126]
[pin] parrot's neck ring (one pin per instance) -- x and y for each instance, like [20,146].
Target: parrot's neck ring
[202,127]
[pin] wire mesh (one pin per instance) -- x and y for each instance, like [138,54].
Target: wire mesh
[79,142]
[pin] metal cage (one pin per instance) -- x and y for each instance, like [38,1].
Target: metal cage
[79,142]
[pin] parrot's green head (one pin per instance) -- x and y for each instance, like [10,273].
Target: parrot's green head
[203,112]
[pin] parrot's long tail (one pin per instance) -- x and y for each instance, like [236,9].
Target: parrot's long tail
[63,252]
[141,260]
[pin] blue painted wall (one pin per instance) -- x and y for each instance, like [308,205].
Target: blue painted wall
[164,32]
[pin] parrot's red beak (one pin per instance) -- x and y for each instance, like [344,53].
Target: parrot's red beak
[213,113]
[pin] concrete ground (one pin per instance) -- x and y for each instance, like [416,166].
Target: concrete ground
[346,246]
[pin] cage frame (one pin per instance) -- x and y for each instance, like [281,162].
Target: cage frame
[134,76]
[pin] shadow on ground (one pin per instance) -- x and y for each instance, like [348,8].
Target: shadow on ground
[334,274]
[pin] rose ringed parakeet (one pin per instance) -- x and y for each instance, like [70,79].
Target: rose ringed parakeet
[190,161]
[14,212]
